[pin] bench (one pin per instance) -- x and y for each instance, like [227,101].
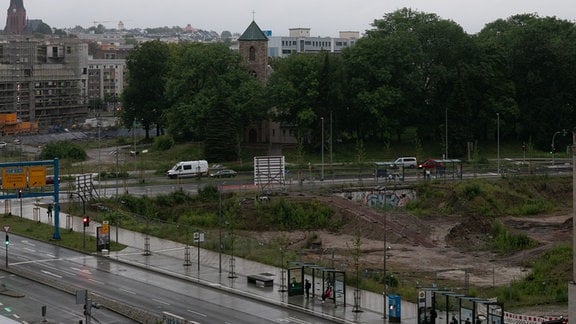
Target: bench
[260,280]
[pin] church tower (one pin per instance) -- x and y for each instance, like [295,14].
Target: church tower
[253,48]
[15,18]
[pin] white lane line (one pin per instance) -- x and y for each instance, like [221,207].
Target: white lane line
[128,291]
[29,250]
[28,243]
[199,314]
[96,281]
[297,320]
[86,271]
[51,274]
[35,261]
[160,301]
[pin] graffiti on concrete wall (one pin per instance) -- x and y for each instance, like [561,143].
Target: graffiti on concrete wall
[380,198]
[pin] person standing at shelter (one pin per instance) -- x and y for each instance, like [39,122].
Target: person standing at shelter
[308,285]
[433,316]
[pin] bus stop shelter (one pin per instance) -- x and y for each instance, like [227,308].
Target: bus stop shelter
[329,277]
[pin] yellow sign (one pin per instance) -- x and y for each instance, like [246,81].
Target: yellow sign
[37,176]
[13,178]
[105,228]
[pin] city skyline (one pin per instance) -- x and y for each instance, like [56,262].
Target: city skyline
[323,17]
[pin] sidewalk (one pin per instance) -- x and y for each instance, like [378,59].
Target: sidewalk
[168,257]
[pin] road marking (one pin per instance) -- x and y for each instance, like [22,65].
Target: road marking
[28,243]
[86,271]
[296,320]
[160,301]
[128,291]
[29,250]
[96,281]
[199,314]
[35,261]
[51,274]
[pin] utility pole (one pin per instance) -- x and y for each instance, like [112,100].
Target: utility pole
[572,284]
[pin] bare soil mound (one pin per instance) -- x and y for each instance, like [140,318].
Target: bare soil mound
[444,248]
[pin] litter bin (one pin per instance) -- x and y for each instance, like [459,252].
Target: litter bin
[394,308]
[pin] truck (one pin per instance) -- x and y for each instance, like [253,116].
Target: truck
[188,169]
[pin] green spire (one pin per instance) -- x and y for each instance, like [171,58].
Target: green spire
[253,33]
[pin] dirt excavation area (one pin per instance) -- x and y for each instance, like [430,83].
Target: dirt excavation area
[448,251]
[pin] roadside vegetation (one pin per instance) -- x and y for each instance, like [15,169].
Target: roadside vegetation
[177,215]
[45,232]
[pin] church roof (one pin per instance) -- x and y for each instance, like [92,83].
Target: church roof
[17,3]
[253,33]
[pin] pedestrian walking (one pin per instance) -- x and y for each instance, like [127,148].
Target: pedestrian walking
[49,211]
[308,285]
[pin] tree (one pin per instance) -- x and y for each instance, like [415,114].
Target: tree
[212,97]
[304,88]
[409,71]
[143,99]
[539,61]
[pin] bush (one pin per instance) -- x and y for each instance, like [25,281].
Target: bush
[163,143]
[63,150]
[505,242]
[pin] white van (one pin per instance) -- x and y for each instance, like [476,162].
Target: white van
[188,169]
[407,162]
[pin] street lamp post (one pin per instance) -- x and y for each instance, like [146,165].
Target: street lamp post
[446,133]
[331,143]
[220,228]
[553,146]
[322,146]
[498,140]
[385,294]
[572,283]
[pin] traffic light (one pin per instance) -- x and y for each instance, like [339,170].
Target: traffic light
[7,240]
[552,149]
[86,221]
[523,147]
[19,193]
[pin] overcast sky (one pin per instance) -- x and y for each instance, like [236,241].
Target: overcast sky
[323,17]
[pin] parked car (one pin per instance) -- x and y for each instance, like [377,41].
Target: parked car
[430,164]
[50,179]
[225,173]
[406,162]
[3,145]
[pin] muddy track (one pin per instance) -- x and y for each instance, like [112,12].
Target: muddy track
[406,228]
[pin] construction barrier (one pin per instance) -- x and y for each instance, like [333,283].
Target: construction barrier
[510,318]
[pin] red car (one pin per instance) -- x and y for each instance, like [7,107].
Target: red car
[430,164]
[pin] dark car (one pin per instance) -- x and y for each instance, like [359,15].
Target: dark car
[50,180]
[225,173]
[430,164]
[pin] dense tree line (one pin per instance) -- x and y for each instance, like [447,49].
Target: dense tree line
[413,73]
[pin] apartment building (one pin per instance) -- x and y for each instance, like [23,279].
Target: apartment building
[43,81]
[107,74]
[300,41]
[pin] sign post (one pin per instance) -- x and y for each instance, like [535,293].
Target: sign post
[198,238]
[7,242]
